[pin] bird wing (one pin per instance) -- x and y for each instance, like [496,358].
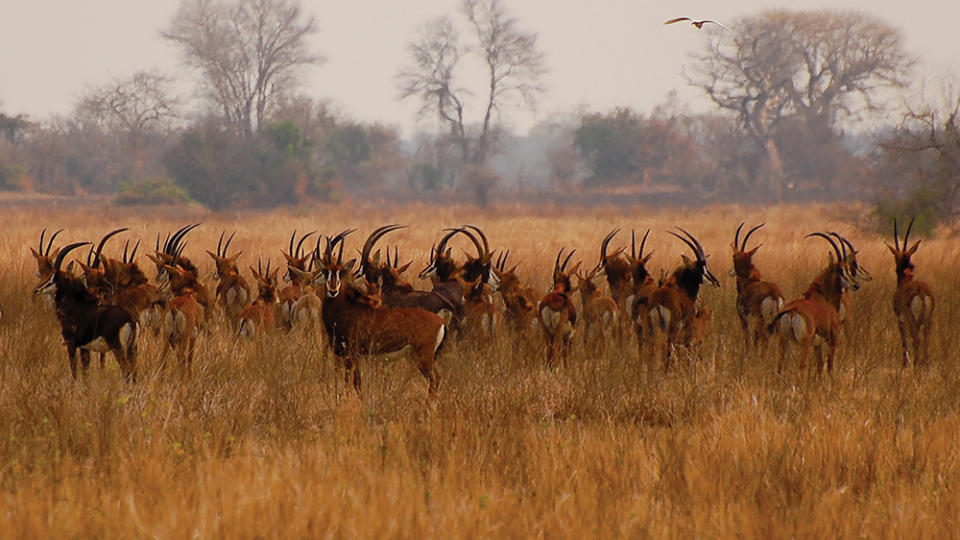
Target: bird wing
[721,25]
[678,19]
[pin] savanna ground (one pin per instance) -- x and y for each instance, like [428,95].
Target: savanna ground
[255,442]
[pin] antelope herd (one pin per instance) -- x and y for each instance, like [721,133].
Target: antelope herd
[366,307]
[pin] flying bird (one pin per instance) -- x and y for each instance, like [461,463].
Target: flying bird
[698,24]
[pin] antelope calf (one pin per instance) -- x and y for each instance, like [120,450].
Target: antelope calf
[259,316]
[87,326]
[912,301]
[671,308]
[758,301]
[556,313]
[185,315]
[600,312]
[291,294]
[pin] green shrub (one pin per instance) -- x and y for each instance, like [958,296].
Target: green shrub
[922,205]
[152,192]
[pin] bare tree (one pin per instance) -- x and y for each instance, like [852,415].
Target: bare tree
[822,66]
[130,107]
[249,52]
[511,59]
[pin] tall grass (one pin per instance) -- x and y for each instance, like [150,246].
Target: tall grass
[255,441]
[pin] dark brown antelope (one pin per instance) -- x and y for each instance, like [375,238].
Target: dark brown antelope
[913,300]
[672,306]
[617,271]
[356,327]
[600,312]
[93,271]
[233,291]
[87,326]
[259,317]
[758,301]
[557,314]
[813,320]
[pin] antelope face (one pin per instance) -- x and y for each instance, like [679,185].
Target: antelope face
[711,279]
[430,271]
[332,280]
[48,286]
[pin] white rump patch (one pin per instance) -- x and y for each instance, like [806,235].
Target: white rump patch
[440,334]
[551,319]
[660,318]
[128,334]
[446,315]
[769,308]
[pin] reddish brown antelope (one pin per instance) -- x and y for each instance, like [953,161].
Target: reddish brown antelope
[672,306]
[520,302]
[258,317]
[289,296]
[913,300]
[45,260]
[233,292]
[856,272]
[184,319]
[86,325]
[636,305]
[556,313]
[758,301]
[173,249]
[813,320]
[616,270]
[132,289]
[600,312]
[356,327]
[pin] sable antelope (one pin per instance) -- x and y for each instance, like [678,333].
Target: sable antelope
[520,302]
[813,320]
[672,306]
[481,314]
[45,260]
[291,294]
[233,292]
[556,313]
[758,301]
[912,301]
[132,289]
[184,313]
[173,249]
[855,271]
[636,303]
[600,312]
[698,24]
[93,272]
[356,327]
[617,271]
[86,325]
[259,316]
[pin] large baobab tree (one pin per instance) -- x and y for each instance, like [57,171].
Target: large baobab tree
[512,67]
[249,52]
[820,67]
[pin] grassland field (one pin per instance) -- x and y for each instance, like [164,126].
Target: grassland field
[255,442]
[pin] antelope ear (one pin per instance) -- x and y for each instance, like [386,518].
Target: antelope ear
[892,249]
[233,258]
[754,250]
[299,273]
[913,248]
[403,268]
[646,258]
[686,260]
[35,254]
[70,267]
[156,260]
[376,257]
[212,255]
[575,268]
[349,266]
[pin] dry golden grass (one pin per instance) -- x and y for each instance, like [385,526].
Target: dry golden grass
[256,442]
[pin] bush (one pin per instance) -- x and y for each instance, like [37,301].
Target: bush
[922,205]
[152,192]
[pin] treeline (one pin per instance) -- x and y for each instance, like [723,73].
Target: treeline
[790,89]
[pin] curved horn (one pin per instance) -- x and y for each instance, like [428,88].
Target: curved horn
[906,237]
[40,247]
[849,244]
[226,247]
[175,246]
[65,250]
[736,237]
[300,244]
[606,243]
[133,254]
[567,260]
[338,239]
[483,238]
[376,235]
[843,245]
[50,243]
[896,235]
[747,237]
[442,246]
[689,244]
[96,259]
[481,252]
[292,238]
[644,242]
[220,244]
[556,264]
[836,248]
[699,249]
[125,246]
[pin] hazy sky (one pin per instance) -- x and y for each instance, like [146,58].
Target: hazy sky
[600,54]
